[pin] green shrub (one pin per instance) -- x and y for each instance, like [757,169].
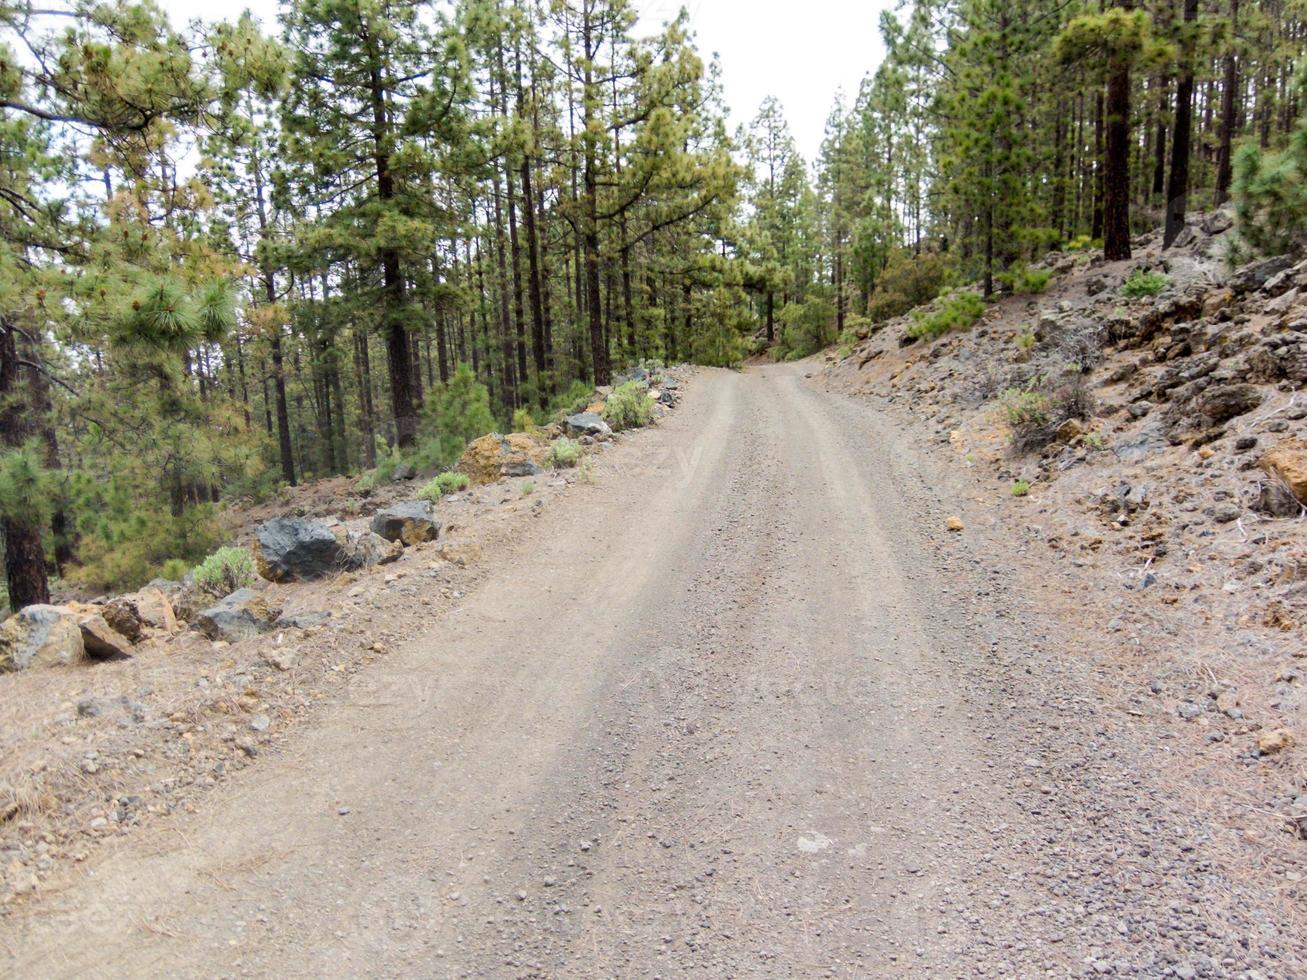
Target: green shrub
[575,399]
[629,406]
[1026,338]
[174,570]
[1029,417]
[451,482]
[847,341]
[446,483]
[1020,488]
[456,413]
[564,453]
[122,549]
[1144,282]
[388,460]
[721,322]
[805,328]
[958,312]
[528,488]
[1034,415]
[523,420]
[1024,281]
[906,282]
[225,571]
[1270,188]
[25,486]
[1024,407]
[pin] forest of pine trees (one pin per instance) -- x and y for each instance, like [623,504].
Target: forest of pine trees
[242,256]
[995,130]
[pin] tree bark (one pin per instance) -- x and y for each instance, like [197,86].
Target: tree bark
[1116,164]
[544,383]
[1159,143]
[1229,110]
[398,353]
[1096,176]
[546,301]
[367,420]
[1177,188]
[589,103]
[284,448]
[510,394]
[25,572]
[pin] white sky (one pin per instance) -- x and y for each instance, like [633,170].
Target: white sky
[800,51]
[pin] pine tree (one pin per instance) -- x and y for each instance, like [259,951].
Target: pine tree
[1115,39]
[364,79]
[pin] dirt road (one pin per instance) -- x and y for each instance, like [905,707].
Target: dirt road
[740,707]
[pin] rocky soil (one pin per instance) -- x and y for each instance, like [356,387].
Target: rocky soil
[98,739]
[1167,522]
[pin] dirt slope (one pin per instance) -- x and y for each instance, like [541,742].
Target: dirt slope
[741,706]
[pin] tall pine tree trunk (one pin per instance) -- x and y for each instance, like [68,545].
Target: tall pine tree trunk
[544,383]
[589,105]
[546,300]
[1177,189]
[1229,110]
[284,448]
[25,572]
[1096,216]
[511,400]
[1116,164]
[399,355]
[43,423]
[367,420]
[1159,141]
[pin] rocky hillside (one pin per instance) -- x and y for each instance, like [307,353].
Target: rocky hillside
[1142,428]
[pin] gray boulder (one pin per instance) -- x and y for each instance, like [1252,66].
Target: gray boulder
[1282,357]
[1221,403]
[367,548]
[289,549]
[521,467]
[1254,275]
[1277,500]
[1218,222]
[411,522]
[587,424]
[40,636]
[304,620]
[243,614]
[1149,440]
[635,374]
